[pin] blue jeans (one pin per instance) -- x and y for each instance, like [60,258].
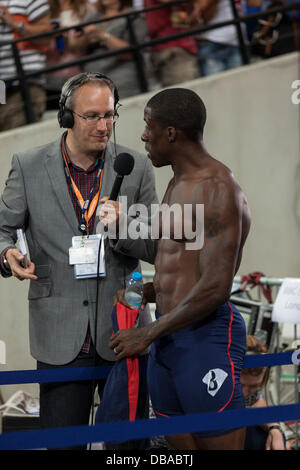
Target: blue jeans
[216,58]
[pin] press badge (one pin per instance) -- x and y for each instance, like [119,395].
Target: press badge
[83,255]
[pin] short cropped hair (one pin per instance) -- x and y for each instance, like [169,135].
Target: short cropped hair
[181,108]
[86,79]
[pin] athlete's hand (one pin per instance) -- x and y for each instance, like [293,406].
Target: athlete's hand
[148,296]
[128,342]
[16,261]
[120,297]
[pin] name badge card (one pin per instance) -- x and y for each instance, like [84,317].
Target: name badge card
[84,256]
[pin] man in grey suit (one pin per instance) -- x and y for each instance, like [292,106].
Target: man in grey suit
[50,193]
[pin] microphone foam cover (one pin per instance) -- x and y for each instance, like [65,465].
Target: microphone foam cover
[124,164]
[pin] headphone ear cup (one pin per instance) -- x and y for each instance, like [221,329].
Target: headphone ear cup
[116,97]
[59,118]
[66,119]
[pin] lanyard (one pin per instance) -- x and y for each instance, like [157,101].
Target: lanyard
[89,205]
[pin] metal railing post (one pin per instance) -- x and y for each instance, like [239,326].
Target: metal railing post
[23,84]
[242,45]
[139,59]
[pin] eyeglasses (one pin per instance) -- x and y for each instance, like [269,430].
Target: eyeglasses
[93,119]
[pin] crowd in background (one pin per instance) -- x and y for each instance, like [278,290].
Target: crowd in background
[164,64]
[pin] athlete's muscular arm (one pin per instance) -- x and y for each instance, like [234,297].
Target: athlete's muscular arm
[223,237]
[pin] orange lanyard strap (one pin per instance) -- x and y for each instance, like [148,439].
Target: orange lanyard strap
[89,205]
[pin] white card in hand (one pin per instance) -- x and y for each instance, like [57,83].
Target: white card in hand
[82,255]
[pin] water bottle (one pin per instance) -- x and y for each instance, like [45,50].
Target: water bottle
[134,291]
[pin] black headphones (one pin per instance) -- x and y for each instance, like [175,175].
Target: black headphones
[65,115]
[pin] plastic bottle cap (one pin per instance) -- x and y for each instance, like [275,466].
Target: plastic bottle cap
[136,276]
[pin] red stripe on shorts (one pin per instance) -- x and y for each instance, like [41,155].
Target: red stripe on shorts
[228,354]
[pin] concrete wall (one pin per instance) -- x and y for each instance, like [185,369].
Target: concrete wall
[252,127]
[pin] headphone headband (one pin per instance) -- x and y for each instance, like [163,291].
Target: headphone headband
[65,116]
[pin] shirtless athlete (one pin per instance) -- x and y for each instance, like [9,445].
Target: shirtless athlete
[198,339]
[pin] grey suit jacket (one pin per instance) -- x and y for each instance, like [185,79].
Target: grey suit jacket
[36,198]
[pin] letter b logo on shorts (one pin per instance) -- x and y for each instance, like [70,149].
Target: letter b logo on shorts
[214,380]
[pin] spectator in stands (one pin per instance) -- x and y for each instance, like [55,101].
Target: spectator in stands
[277,33]
[174,61]
[138,4]
[22,18]
[269,436]
[218,49]
[252,7]
[64,13]
[108,36]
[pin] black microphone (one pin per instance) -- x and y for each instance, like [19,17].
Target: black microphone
[123,166]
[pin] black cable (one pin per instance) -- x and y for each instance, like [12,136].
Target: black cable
[95,332]
[97,298]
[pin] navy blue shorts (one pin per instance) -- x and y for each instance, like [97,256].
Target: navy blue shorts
[197,369]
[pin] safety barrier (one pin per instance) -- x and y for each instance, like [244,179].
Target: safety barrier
[124,431]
